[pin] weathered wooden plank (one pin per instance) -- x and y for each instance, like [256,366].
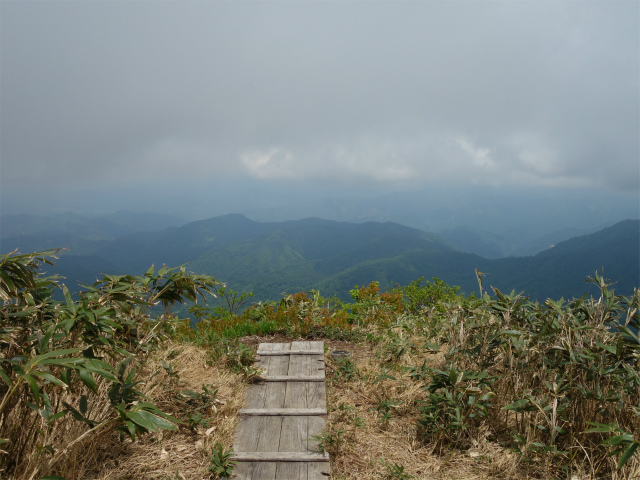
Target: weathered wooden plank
[259,394]
[291,470]
[288,412]
[293,439]
[291,378]
[258,470]
[294,435]
[242,471]
[265,431]
[267,353]
[316,471]
[274,393]
[262,433]
[316,395]
[281,457]
[278,364]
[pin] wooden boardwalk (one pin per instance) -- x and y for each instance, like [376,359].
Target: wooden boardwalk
[283,411]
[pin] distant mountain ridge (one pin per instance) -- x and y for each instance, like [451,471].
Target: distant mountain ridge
[270,258]
[491,245]
[101,227]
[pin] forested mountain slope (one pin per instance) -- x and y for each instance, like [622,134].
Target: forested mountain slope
[270,259]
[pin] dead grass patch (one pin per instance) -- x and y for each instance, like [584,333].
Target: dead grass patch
[166,454]
[370,444]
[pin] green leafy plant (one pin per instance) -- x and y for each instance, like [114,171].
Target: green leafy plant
[385,409]
[423,296]
[393,472]
[196,404]
[77,359]
[561,374]
[221,461]
[329,441]
[346,369]
[622,443]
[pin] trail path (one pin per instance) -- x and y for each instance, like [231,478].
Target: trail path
[284,410]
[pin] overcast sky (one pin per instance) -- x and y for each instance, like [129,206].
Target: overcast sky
[105,102]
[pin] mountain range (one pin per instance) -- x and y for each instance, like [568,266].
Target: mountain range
[271,258]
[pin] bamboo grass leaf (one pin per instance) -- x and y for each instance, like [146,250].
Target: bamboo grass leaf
[87,379]
[35,391]
[55,353]
[150,421]
[49,377]
[628,453]
[6,378]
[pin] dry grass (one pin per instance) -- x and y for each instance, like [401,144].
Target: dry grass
[365,450]
[166,454]
[369,445]
[182,454]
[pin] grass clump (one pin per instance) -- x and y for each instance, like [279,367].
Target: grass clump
[77,374]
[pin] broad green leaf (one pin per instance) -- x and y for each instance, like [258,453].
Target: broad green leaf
[150,421]
[7,280]
[48,376]
[600,428]
[43,341]
[6,378]
[55,353]
[102,373]
[56,416]
[29,298]
[68,299]
[628,453]
[618,439]
[132,428]
[96,362]
[66,375]
[34,386]
[517,405]
[87,379]
[608,348]
[62,362]
[150,407]
[124,306]
[123,365]
[90,316]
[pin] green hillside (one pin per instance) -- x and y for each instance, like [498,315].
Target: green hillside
[270,259]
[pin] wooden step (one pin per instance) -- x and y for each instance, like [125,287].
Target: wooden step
[271,353]
[280,457]
[287,412]
[290,378]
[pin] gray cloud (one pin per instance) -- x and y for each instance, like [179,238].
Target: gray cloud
[398,94]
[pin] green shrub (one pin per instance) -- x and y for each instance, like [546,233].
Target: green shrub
[558,382]
[78,360]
